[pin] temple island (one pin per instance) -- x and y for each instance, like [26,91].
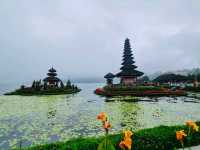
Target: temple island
[130,84]
[51,85]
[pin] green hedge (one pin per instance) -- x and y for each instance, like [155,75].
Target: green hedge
[158,138]
[192,89]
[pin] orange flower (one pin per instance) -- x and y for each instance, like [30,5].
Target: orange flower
[180,135]
[107,125]
[195,127]
[189,122]
[126,143]
[127,134]
[192,125]
[122,145]
[102,116]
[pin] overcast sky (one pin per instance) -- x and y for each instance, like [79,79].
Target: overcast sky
[84,38]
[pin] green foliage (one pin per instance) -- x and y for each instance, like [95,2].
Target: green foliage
[158,138]
[165,78]
[106,144]
[193,77]
[193,89]
[69,83]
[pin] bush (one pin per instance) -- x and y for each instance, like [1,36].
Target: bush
[192,89]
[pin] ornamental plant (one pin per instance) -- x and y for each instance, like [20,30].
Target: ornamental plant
[180,136]
[106,144]
[126,143]
[192,127]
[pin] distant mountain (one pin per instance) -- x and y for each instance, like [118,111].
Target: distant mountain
[154,75]
[184,72]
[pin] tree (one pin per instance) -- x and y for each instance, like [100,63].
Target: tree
[62,85]
[33,84]
[143,79]
[45,85]
[69,83]
[165,78]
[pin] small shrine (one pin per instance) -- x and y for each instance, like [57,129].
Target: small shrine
[52,80]
[50,85]
[109,77]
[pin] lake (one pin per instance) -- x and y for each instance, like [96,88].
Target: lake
[32,120]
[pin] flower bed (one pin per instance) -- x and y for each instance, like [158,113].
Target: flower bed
[138,91]
[162,137]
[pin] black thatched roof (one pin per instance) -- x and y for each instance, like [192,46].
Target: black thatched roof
[52,74]
[52,70]
[129,73]
[109,75]
[55,79]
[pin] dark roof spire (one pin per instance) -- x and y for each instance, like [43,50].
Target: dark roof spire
[128,67]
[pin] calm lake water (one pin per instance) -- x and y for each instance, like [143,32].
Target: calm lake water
[35,120]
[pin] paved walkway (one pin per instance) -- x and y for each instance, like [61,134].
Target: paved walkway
[192,148]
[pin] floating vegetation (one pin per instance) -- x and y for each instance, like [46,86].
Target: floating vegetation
[35,120]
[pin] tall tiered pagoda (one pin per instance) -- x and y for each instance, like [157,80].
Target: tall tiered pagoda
[52,80]
[128,74]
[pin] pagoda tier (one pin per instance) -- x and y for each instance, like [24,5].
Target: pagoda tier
[52,74]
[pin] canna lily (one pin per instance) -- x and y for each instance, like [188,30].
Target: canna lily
[102,116]
[180,135]
[127,134]
[192,125]
[195,127]
[189,122]
[126,143]
[107,125]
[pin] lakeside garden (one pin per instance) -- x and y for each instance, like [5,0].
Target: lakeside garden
[154,123]
[157,138]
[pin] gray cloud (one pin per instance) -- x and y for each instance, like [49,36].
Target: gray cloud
[84,38]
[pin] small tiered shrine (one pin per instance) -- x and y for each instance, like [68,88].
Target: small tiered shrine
[52,80]
[51,85]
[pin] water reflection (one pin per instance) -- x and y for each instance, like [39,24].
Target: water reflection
[129,115]
[51,115]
